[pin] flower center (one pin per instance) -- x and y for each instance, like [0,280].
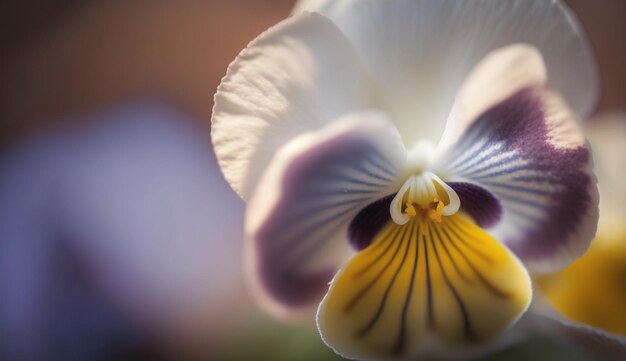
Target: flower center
[424,195]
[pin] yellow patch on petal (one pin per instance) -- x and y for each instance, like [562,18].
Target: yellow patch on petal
[420,284]
[592,290]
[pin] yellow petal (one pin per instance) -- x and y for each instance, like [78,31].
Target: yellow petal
[592,290]
[422,286]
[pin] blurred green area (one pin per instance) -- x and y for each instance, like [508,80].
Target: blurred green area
[270,340]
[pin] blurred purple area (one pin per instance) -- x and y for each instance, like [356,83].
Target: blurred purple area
[119,238]
[122,228]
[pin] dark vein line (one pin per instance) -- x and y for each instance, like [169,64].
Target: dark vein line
[506,171]
[337,191]
[493,289]
[467,329]
[381,307]
[381,163]
[471,247]
[477,158]
[321,205]
[309,232]
[429,303]
[463,148]
[354,180]
[478,131]
[389,244]
[389,228]
[353,302]
[307,249]
[466,156]
[452,260]
[363,169]
[473,136]
[401,337]
[505,163]
[519,188]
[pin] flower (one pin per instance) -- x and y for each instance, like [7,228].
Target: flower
[416,151]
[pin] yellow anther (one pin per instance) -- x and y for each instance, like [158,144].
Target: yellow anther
[434,215]
[436,210]
[410,209]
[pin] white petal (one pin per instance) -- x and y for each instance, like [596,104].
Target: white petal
[294,78]
[297,219]
[543,321]
[396,204]
[311,5]
[421,51]
[496,77]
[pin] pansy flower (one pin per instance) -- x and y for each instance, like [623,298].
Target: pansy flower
[422,157]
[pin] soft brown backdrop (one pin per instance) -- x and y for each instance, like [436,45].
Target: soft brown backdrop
[60,58]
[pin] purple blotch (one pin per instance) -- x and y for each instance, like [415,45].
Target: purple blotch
[479,203]
[368,222]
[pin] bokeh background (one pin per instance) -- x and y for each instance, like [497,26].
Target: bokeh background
[111,282]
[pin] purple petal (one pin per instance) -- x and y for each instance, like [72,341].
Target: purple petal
[529,153]
[298,217]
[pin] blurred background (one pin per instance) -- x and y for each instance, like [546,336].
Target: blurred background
[103,247]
